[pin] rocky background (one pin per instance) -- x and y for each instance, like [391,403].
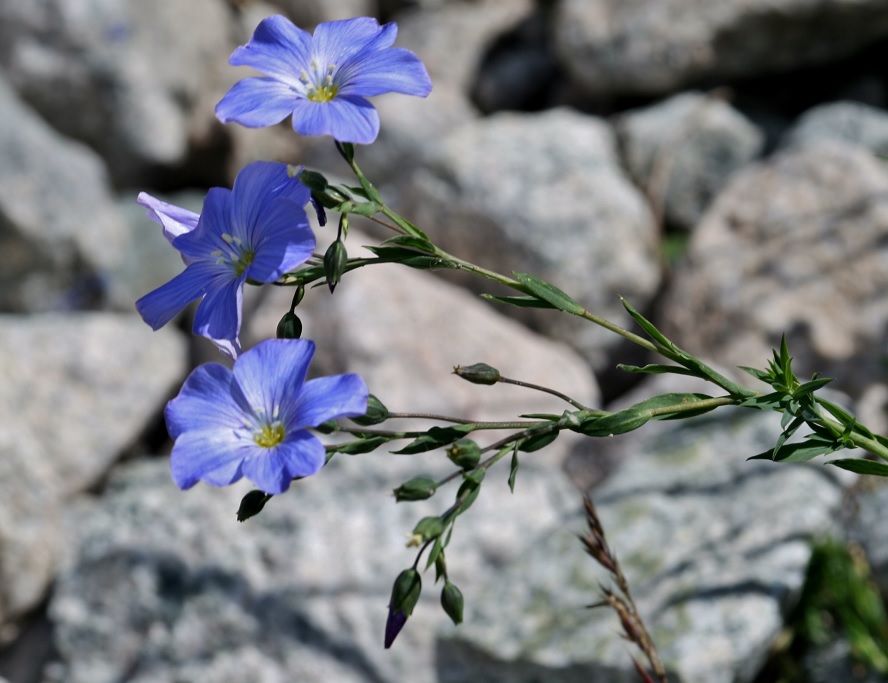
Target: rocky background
[719,164]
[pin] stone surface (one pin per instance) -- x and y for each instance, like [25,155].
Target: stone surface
[715,549]
[849,122]
[795,245]
[657,46]
[543,194]
[132,71]
[308,13]
[166,585]
[683,150]
[72,403]
[60,232]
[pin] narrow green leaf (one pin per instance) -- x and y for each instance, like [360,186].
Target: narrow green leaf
[437,549]
[549,293]
[655,369]
[535,443]
[434,438]
[811,387]
[766,402]
[359,446]
[860,466]
[804,451]
[513,470]
[412,242]
[758,374]
[519,301]
[647,326]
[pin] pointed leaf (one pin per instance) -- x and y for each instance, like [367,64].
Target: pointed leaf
[861,466]
[549,293]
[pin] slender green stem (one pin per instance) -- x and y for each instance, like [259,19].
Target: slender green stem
[546,390]
[858,439]
[428,416]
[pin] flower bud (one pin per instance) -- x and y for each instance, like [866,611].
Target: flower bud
[252,504]
[418,488]
[289,327]
[452,602]
[428,528]
[376,413]
[405,594]
[479,373]
[335,261]
[314,181]
[464,453]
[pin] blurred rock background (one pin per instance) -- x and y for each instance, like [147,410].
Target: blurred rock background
[721,165]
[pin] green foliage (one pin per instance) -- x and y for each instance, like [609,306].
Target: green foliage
[839,601]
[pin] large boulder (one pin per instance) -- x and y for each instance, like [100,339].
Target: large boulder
[656,46]
[72,404]
[544,194]
[794,245]
[60,232]
[134,73]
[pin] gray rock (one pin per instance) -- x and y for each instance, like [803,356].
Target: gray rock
[715,549]
[132,72]
[72,403]
[452,37]
[308,13]
[543,194]
[167,584]
[60,231]
[849,122]
[795,245]
[683,150]
[653,47]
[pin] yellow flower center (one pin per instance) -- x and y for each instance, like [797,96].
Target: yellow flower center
[269,435]
[319,87]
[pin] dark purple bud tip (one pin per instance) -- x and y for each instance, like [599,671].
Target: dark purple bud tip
[393,625]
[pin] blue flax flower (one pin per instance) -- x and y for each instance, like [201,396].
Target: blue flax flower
[322,80]
[258,230]
[251,421]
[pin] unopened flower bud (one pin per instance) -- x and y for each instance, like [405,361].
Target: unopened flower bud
[464,453]
[405,594]
[314,181]
[479,373]
[289,327]
[376,413]
[428,528]
[335,261]
[252,504]
[452,602]
[418,488]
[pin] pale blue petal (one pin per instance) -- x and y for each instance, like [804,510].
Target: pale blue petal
[209,399]
[272,373]
[347,119]
[299,455]
[174,219]
[205,242]
[395,70]
[257,102]
[255,208]
[285,243]
[218,316]
[277,48]
[326,398]
[336,41]
[212,455]
[157,308]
